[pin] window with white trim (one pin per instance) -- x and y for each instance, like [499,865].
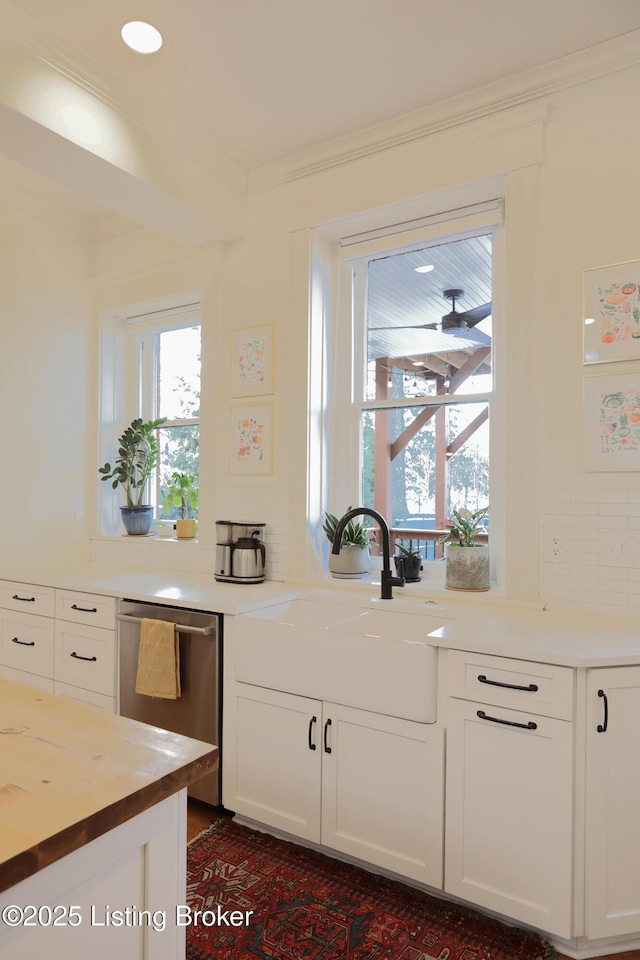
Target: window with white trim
[423,384]
[165,354]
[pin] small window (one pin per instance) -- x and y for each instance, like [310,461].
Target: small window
[169,387]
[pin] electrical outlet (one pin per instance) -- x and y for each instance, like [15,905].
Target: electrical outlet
[553,550]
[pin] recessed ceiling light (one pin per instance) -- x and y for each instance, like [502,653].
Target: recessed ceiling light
[424,269]
[590,320]
[141,37]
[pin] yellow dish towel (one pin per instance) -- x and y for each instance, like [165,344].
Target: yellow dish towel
[158,660]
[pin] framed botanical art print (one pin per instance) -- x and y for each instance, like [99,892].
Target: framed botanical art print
[612,422]
[252,361]
[251,440]
[612,313]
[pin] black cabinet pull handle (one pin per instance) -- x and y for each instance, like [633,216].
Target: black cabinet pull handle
[74,606]
[78,657]
[24,643]
[327,748]
[509,723]
[24,599]
[529,688]
[312,745]
[602,727]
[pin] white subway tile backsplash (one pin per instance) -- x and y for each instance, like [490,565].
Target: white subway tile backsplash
[619,509]
[555,520]
[599,496]
[581,509]
[595,536]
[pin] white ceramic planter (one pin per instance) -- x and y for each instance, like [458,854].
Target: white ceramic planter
[352,562]
[467,568]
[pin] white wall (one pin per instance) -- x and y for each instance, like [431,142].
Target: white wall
[46,388]
[589,216]
[569,161]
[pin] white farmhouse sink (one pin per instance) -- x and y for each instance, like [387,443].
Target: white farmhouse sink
[375,660]
[309,613]
[398,626]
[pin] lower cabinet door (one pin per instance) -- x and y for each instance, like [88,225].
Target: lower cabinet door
[273,760]
[383,791]
[29,679]
[508,842]
[613,792]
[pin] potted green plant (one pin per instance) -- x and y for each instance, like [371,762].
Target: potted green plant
[467,561]
[137,459]
[408,561]
[181,493]
[353,560]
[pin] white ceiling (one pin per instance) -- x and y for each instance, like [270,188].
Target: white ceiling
[258,80]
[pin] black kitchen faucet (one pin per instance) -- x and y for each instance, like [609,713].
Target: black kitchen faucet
[387,581]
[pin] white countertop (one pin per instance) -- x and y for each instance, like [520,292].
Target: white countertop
[483,623]
[197,590]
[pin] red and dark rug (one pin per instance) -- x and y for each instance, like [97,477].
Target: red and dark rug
[306,906]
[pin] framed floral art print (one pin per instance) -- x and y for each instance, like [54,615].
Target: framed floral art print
[252,361]
[251,440]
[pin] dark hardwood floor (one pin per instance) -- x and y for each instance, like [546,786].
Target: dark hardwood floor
[199,816]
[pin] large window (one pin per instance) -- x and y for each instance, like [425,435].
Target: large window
[424,382]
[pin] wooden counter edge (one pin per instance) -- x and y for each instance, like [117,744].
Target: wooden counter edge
[54,848]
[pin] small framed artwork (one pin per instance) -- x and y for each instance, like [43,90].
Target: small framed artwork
[251,440]
[612,313]
[612,422]
[252,361]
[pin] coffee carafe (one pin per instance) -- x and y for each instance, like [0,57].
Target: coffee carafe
[240,552]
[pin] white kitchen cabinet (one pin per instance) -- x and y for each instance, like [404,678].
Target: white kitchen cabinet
[509,803]
[27,632]
[28,679]
[26,642]
[612,802]
[60,641]
[383,791]
[365,784]
[86,649]
[275,777]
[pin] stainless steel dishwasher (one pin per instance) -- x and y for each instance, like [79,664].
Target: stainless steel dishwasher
[197,712]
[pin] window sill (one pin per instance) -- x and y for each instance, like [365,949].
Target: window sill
[154,551]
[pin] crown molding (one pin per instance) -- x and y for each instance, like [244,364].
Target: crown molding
[79,70]
[498,100]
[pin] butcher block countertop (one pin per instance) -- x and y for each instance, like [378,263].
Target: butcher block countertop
[70,773]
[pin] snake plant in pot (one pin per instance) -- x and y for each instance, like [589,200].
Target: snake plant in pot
[353,560]
[467,561]
[137,459]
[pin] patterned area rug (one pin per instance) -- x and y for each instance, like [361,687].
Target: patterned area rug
[264,899]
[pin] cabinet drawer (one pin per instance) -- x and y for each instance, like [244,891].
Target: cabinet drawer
[540,688]
[27,643]
[85,696]
[27,598]
[86,657]
[89,608]
[29,679]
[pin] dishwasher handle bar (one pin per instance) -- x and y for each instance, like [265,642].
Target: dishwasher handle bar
[183,628]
